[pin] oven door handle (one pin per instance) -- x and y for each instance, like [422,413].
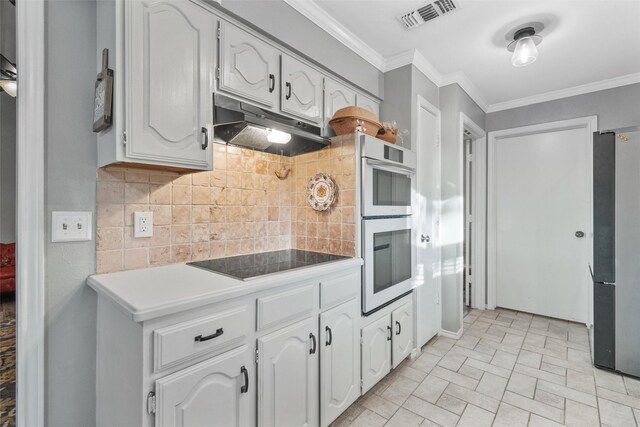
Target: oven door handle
[391,167]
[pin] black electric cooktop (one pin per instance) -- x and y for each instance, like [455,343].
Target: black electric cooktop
[246,267]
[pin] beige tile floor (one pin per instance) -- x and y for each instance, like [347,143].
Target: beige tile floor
[508,369]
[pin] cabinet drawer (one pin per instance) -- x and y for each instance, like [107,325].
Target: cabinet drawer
[286,306]
[339,289]
[188,340]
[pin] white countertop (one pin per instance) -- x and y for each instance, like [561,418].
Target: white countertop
[159,291]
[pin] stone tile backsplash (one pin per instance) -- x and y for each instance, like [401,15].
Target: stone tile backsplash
[241,207]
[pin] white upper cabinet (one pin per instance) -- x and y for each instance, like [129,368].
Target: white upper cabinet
[402,325]
[169,83]
[248,66]
[336,96]
[301,90]
[288,376]
[339,360]
[368,104]
[217,392]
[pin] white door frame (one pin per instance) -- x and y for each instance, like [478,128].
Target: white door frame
[590,123]
[421,102]
[479,253]
[30,225]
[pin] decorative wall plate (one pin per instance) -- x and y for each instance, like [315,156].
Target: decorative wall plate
[321,192]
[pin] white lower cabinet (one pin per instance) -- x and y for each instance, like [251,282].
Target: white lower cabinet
[386,342]
[286,356]
[339,360]
[402,340]
[217,392]
[376,352]
[288,376]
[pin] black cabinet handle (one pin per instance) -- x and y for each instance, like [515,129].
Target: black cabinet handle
[399,326]
[313,347]
[288,93]
[388,333]
[272,82]
[245,387]
[205,141]
[200,338]
[329,336]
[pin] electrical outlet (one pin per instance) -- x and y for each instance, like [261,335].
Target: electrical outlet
[142,224]
[71,226]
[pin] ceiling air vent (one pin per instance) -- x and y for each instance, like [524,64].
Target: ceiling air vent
[430,11]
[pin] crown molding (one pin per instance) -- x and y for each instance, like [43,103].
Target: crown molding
[399,60]
[423,64]
[468,86]
[425,67]
[565,93]
[321,18]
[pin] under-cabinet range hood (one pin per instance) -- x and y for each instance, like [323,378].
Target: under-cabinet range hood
[238,123]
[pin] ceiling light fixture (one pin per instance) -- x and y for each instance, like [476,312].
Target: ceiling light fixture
[8,76]
[523,46]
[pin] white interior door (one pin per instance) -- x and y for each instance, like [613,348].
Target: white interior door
[542,185]
[427,223]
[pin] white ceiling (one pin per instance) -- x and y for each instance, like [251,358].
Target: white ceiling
[584,41]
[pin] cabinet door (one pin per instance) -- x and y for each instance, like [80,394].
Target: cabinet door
[301,90]
[288,376]
[217,392]
[169,83]
[336,96]
[376,352]
[339,360]
[368,104]
[402,325]
[248,66]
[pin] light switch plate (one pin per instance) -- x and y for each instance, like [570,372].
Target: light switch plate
[71,226]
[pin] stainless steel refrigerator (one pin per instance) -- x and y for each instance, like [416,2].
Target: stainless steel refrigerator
[616,244]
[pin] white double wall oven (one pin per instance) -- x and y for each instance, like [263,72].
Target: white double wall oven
[388,182]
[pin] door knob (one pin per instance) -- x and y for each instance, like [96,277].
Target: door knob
[424,238]
[579,233]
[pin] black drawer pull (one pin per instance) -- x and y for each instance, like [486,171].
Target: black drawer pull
[200,338]
[313,340]
[399,330]
[329,336]
[205,141]
[245,387]
[288,90]
[272,82]
[388,333]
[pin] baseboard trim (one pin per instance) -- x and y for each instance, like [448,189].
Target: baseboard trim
[449,334]
[415,353]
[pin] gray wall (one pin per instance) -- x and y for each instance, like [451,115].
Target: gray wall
[453,101]
[401,88]
[615,108]
[285,23]
[7,168]
[7,130]
[71,182]
[397,97]
[421,85]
